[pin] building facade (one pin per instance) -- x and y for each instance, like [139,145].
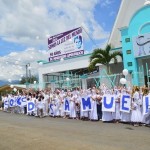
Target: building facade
[130,34]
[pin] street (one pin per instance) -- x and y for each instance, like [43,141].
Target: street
[21,132]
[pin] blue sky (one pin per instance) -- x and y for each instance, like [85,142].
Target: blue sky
[104,13]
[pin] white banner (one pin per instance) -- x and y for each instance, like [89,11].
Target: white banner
[108,103]
[12,102]
[66,44]
[30,106]
[23,101]
[146,104]
[66,105]
[141,45]
[6,103]
[125,103]
[86,104]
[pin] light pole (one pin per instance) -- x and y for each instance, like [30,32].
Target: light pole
[27,71]
[28,75]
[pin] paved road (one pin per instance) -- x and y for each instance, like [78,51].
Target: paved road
[20,132]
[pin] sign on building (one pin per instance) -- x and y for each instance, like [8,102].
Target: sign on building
[66,44]
[141,45]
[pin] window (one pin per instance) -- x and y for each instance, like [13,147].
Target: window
[129,63]
[128,51]
[127,40]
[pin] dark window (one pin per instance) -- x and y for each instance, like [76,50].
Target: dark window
[129,63]
[127,39]
[128,51]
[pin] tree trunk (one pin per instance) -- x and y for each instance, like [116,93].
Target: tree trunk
[108,69]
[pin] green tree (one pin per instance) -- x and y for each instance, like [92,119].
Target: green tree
[31,80]
[104,56]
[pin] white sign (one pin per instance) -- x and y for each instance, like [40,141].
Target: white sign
[66,44]
[141,45]
[125,103]
[146,104]
[108,103]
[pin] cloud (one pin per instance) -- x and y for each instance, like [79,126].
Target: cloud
[22,21]
[13,65]
[112,13]
[106,3]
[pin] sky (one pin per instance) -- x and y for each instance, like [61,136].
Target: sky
[25,26]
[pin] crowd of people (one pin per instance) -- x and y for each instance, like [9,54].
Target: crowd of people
[51,103]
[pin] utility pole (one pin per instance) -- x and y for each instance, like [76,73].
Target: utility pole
[26,75]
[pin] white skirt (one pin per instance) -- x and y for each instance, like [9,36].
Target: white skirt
[136,115]
[125,117]
[107,116]
[93,114]
[72,110]
[117,115]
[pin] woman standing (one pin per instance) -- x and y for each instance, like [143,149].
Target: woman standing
[136,110]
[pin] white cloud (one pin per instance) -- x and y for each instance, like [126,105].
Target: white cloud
[106,3]
[112,13]
[22,21]
[30,22]
[13,65]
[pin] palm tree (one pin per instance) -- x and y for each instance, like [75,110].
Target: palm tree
[103,56]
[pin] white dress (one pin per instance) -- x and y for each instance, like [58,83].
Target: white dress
[117,114]
[51,109]
[83,113]
[136,115]
[146,117]
[56,107]
[125,117]
[93,113]
[72,107]
[106,116]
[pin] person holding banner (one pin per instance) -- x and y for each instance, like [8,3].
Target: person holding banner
[40,107]
[56,104]
[99,104]
[12,103]
[116,114]
[72,106]
[3,99]
[107,106]
[67,104]
[6,103]
[146,107]
[125,106]
[61,108]
[136,110]
[93,113]
[85,104]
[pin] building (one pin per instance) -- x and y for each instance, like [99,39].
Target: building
[132,24]
[131,33]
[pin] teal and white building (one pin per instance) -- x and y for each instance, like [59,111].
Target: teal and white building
[130,34]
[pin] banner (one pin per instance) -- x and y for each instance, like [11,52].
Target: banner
[23,101]
[146,104]
[66,105]
[30,106]
[108,103]
[6,103]
[51,109]
[86,104]
[141,45]
[18,101]
[125,103]
[66,44]
[12,102]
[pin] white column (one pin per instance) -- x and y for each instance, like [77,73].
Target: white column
[41,81]
[84,84]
